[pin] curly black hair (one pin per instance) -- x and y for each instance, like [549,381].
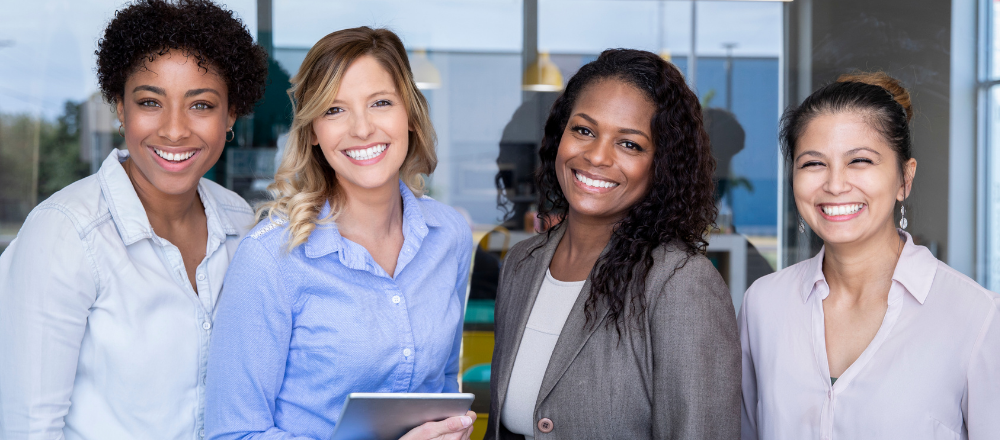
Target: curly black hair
[214,36]
[679,207]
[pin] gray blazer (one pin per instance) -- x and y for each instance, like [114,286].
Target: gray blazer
[677,378]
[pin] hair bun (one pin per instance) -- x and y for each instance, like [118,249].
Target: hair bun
[883,80]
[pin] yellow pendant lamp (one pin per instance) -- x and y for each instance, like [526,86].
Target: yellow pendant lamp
[542,75]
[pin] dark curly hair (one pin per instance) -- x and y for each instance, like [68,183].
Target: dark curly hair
[678,209]
[212,35]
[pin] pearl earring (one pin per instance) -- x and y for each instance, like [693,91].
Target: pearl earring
[902,217]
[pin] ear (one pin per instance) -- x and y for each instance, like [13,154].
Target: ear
[313,139]
[909,171]
[120,111]
[231,120]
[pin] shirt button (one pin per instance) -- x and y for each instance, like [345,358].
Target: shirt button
[201,433]
[545,425]
[201,277]
[395,299]
[407,352]
[206,325]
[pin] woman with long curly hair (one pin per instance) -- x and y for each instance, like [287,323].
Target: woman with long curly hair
[612,324]
[354,281]
[107,294]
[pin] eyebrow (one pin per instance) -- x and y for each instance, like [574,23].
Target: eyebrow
[196,92]
[809,153]
[380,92]
[190,93]
[623,130]
[860,149]
[156,90]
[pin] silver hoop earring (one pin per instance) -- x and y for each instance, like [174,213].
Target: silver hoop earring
[902,217]
[120,127]
[802,226]
[230,138]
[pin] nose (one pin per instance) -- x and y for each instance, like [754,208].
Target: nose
[600,153]
[837,181]
[175,125]
[361,125]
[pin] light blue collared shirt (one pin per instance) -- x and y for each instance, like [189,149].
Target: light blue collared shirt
[297,331]
[101,334]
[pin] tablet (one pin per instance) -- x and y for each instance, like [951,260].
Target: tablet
[390,415]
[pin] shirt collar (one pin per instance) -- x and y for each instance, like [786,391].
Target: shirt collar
[915,270]
[326,238]
[127,210]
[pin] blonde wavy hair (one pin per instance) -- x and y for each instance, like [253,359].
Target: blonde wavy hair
[305,181]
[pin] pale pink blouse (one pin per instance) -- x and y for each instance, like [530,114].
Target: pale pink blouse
[932,371]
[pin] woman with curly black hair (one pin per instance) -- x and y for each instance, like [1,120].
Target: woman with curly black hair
[107,294]
[612,324]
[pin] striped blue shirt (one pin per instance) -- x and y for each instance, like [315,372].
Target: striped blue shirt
[295,332]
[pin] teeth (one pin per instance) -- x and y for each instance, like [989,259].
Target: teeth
[367,153]
[178,157]
[594,183]
[842,209]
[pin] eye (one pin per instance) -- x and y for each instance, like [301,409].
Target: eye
[334,110]
[631,145]
[148,103]
[382,103]
[202,106]
[812,163]
[863,160]
[583,131]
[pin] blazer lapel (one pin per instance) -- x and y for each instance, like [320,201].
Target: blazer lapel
[528,277]
[574,335]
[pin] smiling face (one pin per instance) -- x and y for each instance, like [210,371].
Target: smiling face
[175,116]
[605,157]
[846,179]
[365,133]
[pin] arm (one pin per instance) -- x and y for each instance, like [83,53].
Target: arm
[464,255]
[983,388]
[748,429]
[696,356]
[48,282]
[249,348]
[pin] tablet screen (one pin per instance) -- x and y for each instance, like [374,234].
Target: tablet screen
[391,415]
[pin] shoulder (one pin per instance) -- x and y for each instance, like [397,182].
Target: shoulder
[229,203]
[964,292]
[523,249]
[780,286]
[80,203]
[446,219]
[269,232]
[679,276]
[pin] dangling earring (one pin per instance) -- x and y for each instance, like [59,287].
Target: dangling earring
[902,217]
[120,133]
[230,138]
[802,226]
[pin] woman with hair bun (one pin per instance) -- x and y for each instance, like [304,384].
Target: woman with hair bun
[108,292]
[873,337]
[354,281]
[612,324]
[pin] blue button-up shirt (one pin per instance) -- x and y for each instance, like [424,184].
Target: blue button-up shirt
[101,334]
[297,331]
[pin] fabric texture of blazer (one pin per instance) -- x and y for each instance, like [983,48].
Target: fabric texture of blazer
[676,377]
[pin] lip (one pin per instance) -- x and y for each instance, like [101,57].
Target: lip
[371,161]
[174,167]
[591,189]
[840,218]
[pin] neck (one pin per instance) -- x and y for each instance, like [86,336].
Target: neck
[163,209]
[371,212]
[865,268]
[585,235]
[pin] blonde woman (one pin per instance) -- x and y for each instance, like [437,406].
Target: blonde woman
[355,281]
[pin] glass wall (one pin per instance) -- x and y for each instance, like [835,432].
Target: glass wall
[990,140]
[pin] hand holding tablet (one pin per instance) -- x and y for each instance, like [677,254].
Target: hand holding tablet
[420,416]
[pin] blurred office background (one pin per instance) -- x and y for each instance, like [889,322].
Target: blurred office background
[491,68]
